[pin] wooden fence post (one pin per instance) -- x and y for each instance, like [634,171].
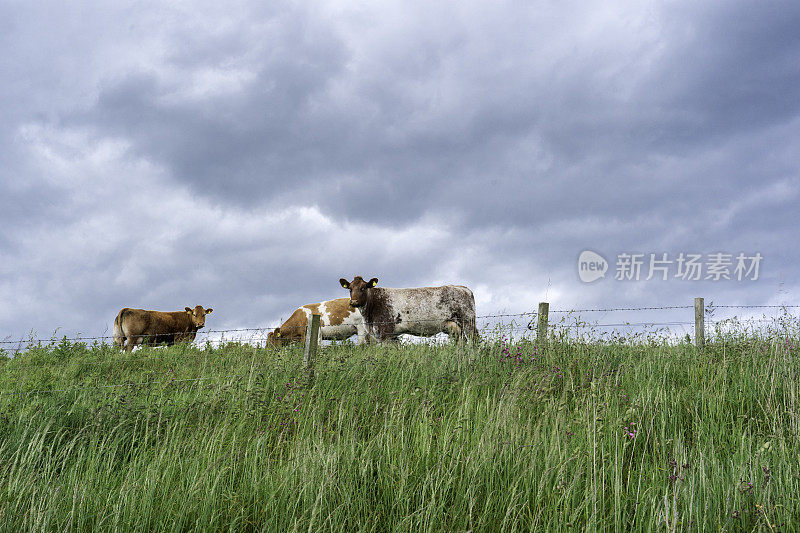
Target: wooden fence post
[312,339]
[699,323]
[541,326]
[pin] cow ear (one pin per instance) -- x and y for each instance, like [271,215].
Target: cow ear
[373,282]
[344,283]
[189,310]
[208,310]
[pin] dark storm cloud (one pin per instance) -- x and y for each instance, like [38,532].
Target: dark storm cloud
[735,69]
[244,146]
[430,128]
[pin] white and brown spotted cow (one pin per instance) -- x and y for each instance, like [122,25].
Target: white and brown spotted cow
[423,311]
[338,321]
[140,326]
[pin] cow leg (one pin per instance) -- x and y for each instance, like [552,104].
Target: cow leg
[378,337]
[119,339]
[132,342]
[471,332]
[372,336]
[452,329]
[120,342]
[370,340]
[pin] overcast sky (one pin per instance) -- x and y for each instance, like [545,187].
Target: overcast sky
[246,155]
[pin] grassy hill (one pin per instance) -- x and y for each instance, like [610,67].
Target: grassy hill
[600,435]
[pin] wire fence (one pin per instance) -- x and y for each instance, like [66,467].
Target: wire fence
[523,324]
[571,320]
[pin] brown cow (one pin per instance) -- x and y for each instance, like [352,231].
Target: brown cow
[139,326]
[338,321]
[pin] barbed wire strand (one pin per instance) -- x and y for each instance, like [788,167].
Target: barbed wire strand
[257,340]
[265,331]
[614,309]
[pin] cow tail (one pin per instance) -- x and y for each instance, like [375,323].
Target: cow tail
[119,335]
[472,330]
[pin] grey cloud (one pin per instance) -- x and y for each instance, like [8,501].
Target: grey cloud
[737,71]
[288,138]
[523,135]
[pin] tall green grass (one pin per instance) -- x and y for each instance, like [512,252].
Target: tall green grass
[501,437]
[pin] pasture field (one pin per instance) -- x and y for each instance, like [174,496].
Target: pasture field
[582,435]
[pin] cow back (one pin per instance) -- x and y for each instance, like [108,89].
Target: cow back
[338,321]
[157,326]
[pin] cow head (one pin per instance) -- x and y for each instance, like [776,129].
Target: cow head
[274,338]
[358,290]
[198,315]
